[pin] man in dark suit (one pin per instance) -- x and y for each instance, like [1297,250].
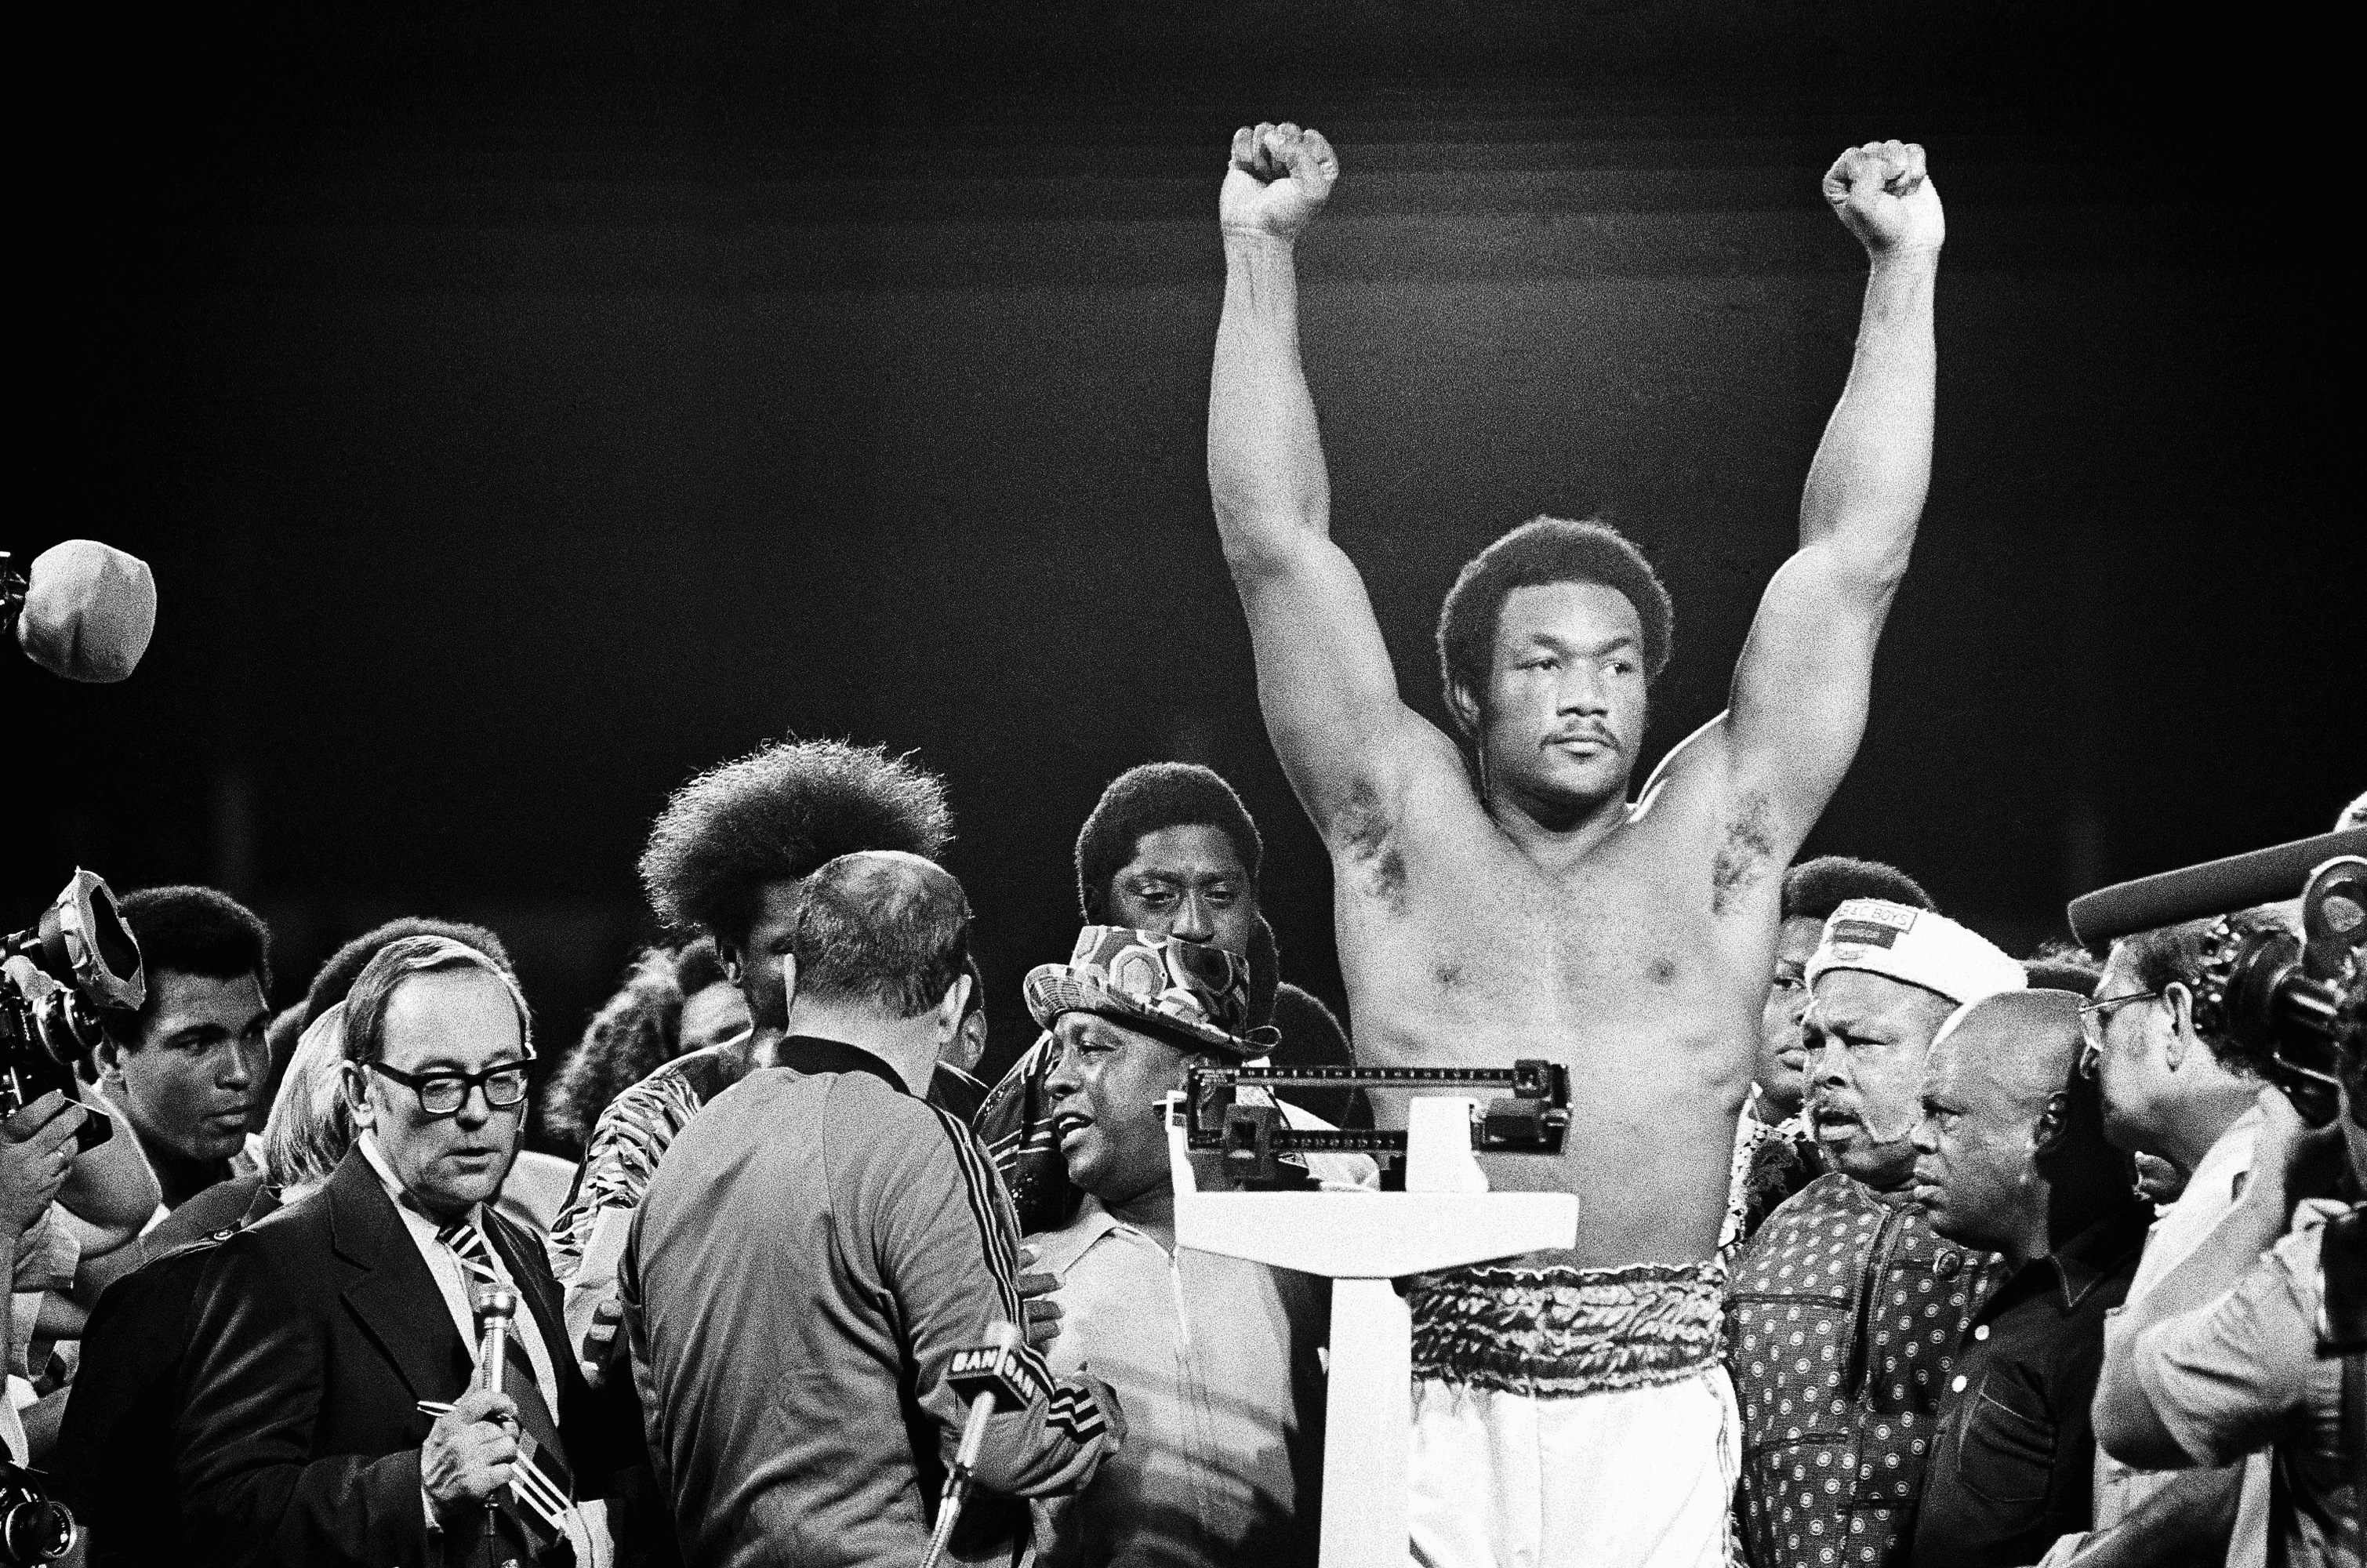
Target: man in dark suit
[320,1330]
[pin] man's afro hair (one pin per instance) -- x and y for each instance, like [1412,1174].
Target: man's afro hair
[1143,800]
[775,816]
[1814,888]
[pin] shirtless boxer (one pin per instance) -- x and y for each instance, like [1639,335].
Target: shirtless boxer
[1519,905]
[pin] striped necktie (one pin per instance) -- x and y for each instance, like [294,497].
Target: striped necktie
[468,1244]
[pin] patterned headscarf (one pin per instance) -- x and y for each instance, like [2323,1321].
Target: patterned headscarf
[1187,992]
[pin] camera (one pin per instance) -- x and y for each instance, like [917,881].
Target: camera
[58,977]
[2282,994]
[34,1527]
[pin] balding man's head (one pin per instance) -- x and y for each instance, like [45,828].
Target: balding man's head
[881,930]
[2026,1043]
[2000,1096]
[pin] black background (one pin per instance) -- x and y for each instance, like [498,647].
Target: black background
[525,406]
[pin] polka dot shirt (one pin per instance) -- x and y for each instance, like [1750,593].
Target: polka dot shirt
[1843,1315]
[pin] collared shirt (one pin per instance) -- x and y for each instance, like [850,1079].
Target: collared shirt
[2012,1465]
[1214,1362]
[2243,1374]
[1843,1315]
[2211,1191]
[452,1280]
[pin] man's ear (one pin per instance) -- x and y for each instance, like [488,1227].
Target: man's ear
[955,1002]
[108,1058]
[2181,1024]
[356,1085]
[2047,1134]
[1463,707]
[788,981]
[728,955]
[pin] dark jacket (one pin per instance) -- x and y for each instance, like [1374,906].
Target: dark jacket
[113,1464]
[2014,1458]
[315,1333]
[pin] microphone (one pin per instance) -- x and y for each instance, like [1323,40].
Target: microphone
[2214,887]
[84,611]
[987,1376]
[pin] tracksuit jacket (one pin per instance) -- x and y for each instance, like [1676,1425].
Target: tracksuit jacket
[813,1250]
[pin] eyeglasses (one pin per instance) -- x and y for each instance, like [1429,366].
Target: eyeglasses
[442,1094]
[2094,1019]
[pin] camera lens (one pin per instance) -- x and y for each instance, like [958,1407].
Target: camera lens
[35,1529]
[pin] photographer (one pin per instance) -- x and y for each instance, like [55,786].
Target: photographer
[2224,1357]
[64,1232]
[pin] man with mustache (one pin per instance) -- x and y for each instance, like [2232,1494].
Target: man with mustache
[1499,895]
[1168,848]
[1775,1153]
[2010,1158]
[1214,1356]
[1844,1311]
[190,1068]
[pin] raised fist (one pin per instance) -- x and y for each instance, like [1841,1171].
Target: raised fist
[1280,178]
[1880,192]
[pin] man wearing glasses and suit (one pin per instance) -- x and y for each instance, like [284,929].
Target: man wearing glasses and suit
[321,1331]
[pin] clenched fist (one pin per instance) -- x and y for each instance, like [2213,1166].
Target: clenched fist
[1882,192]
[1280,178]
[470,1452]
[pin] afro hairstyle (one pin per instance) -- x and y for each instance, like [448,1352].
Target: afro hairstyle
[634,1032]
[774,816]
[1141,801]
[1814,888]
[192,931]
[1540,551]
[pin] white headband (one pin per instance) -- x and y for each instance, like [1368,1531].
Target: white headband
[1916,946]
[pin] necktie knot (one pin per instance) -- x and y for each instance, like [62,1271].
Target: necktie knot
[467,1242]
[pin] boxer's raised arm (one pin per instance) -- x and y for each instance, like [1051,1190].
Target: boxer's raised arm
[1324,682]
[1801,688]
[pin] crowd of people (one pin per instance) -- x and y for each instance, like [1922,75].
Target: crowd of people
[1893,1247]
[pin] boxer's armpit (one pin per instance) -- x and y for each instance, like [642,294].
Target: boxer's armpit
[1745,853]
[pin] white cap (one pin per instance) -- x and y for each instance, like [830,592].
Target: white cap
[1917,946]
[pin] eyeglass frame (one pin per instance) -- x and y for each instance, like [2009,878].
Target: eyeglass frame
[2091,1036]
[418,1084]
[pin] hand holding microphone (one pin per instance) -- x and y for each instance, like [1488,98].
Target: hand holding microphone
[83,610]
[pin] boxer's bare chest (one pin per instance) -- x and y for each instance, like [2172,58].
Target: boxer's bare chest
[1639,966]
[1456,943]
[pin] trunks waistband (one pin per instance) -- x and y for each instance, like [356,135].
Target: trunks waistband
[1564,1331]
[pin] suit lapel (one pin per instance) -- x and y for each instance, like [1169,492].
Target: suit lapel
[395,1299]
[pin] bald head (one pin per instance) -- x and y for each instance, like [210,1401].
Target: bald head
[2025,1043]
[881,930]
[2004,1117]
